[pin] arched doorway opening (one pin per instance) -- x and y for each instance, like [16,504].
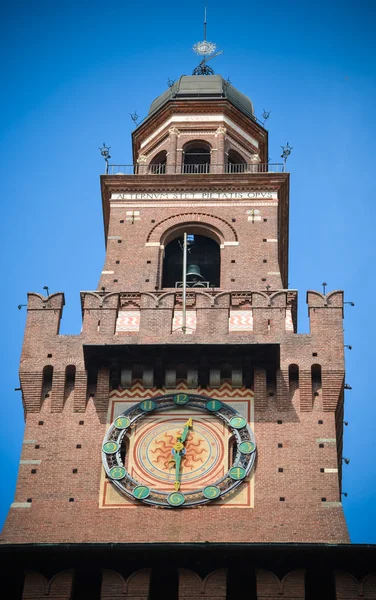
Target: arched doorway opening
[235,162]
[203,262]
[158,164]
[196,157]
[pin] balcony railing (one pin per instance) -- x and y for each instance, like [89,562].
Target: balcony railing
[199,169]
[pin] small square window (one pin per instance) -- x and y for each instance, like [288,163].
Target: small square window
[81,422]
[118,262]
[49,355]
[121,220]
[75,471]
[263,279]
[321,445]
[323,499]
[314,353]
[265,220]
[322,470]
[232,261]
[40,422]
[33,471]
[119,241]
[320,422]
[115,280]
[233,220]
[37,446]
[271,394]
[71,499]
[29,500]
[279,422]
[282,499]
[153,220]
[147,280]
[264,260]
[148,262]
[280,445]
[78,446]
[232,280]
[280,469]
[264,240]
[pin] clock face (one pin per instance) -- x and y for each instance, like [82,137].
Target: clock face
[178,459]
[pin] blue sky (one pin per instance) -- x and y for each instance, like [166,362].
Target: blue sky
[72,73]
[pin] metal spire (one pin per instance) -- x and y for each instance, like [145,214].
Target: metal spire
[208,51]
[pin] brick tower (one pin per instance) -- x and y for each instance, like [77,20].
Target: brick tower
[188,423]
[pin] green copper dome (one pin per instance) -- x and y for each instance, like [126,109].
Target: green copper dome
[203,87]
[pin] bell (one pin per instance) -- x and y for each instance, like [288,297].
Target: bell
[194,272]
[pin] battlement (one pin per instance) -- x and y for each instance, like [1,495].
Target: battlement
[264,324]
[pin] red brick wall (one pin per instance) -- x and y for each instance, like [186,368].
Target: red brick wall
[37,587]
[271,587]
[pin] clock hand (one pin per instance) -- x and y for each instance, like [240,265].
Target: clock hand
[178,452]
[177,472]
[188,426]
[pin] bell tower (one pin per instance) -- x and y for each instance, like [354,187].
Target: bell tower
[189,416]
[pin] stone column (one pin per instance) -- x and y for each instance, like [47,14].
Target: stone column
[142,167]
[171,155]
[220,135]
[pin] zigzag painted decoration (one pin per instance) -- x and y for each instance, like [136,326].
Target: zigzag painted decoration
[138,391]
[128,321]
[240,320]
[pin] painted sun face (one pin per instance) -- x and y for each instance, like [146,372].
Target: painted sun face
[178,442]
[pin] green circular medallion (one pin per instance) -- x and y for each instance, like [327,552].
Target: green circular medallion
[213,405]
[122,422]
[110,447]
[147,405]
[211,492]
[117,473]
[238,422]
[246,447]
[141,491]
[176,499]
[237,473]
[181,399]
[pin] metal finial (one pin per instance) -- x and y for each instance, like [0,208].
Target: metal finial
[265,115]
[324,284]
[105,152]
[286,151]
[170,82]
[134,116]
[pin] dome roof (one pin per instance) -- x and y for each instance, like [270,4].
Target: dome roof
[204,87]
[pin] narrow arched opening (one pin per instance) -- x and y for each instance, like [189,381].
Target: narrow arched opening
[196,157]
[316,380]
[203,263]
[70,377]
[235,162]
[293,380]
[47,380]
[158,164]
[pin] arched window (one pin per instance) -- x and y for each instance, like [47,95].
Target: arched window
[196,157]
[203,263]
[70,376]
[158,164]
[316,380]
[47,380]
[235,162]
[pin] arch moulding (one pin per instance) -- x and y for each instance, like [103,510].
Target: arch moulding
[215,225]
